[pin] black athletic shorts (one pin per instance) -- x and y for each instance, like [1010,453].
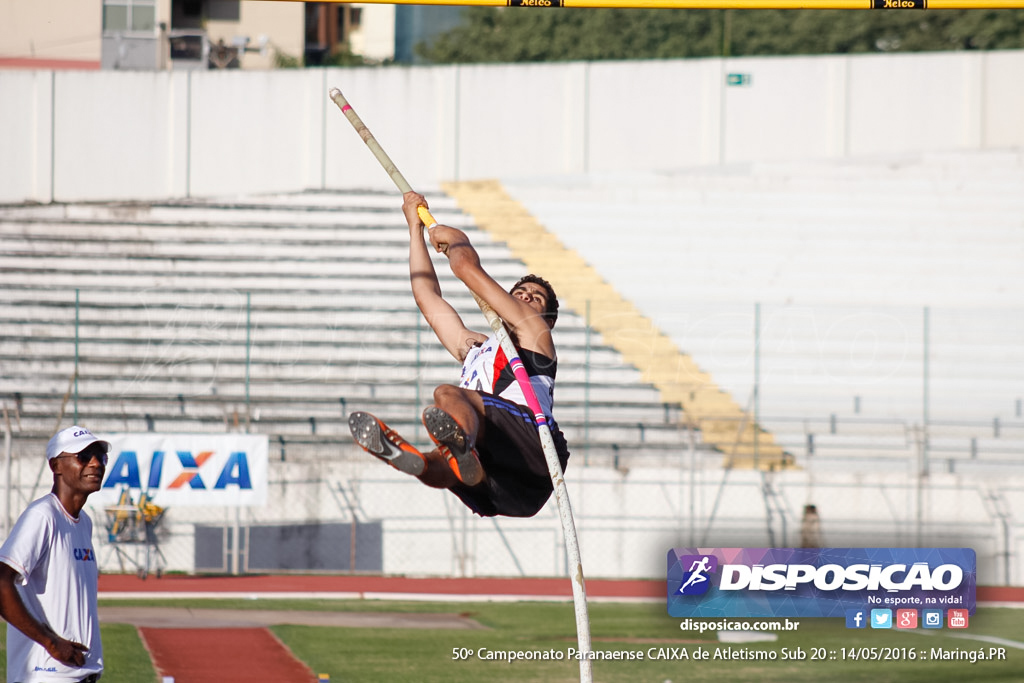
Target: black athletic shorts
[517,482]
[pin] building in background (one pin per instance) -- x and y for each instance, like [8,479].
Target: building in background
[155,35]
[200,34]
[149,34]
[211,34]
[331,27]
[56,34]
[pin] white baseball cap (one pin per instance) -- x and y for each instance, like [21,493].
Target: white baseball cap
[71,440]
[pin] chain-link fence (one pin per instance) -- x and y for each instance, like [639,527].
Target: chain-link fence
[904,424]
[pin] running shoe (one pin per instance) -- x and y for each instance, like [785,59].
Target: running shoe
[381,441]
[452,444]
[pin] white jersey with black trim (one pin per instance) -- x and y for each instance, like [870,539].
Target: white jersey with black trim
[54,556]
[487,369]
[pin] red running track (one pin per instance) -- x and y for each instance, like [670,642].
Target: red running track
[361,586]
[252,655]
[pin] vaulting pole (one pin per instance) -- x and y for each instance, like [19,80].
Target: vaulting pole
[572,547]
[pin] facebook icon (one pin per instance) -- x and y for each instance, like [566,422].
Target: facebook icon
[856,618]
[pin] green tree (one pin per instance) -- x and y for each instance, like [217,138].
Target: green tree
[490,34]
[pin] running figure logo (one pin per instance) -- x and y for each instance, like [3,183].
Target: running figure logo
[696,580]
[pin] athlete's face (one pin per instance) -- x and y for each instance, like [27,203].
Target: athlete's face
[534,295]
[82,472]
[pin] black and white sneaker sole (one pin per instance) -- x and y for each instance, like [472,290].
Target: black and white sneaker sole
[369,433]
[445,431]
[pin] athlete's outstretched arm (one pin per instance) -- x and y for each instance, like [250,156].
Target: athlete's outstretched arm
[439,314]
[532,329]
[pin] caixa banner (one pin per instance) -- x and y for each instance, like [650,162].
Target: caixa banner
[188,469]
[817,582]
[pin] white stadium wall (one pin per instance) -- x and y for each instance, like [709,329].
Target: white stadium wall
[789,109]
[1002,100]
[671,113]
[26,136]
[116,135]
[523,120]
[254,132]
[412,113]
[908,103]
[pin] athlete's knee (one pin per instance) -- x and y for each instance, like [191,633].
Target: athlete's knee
[462,404]
[446,394]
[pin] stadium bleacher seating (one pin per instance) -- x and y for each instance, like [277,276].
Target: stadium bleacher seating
[272,314]
[279,314]
[836,263]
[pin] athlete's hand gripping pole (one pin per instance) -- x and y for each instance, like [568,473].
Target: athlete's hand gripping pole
[572,548]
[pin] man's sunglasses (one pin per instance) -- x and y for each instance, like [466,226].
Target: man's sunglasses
[86,456]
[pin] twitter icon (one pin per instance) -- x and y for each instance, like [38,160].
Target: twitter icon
[881,618]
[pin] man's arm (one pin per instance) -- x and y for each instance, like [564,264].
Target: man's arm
[532,330]
[14,612]
[439,314]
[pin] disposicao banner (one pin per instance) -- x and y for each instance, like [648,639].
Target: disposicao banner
[818,582]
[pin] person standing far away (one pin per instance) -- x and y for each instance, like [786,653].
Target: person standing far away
[49,573]
[810,528]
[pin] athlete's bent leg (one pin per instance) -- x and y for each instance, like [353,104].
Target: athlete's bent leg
[465,405]
[454,424]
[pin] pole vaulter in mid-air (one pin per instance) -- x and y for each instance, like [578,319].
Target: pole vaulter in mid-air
[499,448]
[488,450]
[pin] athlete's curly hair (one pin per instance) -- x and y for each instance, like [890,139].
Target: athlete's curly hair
[551,312]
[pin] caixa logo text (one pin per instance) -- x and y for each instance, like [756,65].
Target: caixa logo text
[830,577]
[125,471]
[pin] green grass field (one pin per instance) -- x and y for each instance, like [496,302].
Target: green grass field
[425,656]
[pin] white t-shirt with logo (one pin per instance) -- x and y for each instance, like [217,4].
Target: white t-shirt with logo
[54,554]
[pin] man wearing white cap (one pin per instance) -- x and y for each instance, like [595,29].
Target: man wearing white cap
[48,571]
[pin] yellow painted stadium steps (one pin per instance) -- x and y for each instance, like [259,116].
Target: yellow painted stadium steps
[722,422]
